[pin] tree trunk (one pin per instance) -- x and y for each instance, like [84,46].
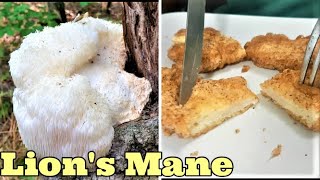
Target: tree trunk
[140,28]
[59,7]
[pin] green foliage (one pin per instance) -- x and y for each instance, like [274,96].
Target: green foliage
[28,177]
[5,76]
[20,19]
[84,4]
[5,95]
[5,104]
[1,51]
[4,68]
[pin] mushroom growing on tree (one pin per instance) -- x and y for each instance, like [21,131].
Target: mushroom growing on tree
[71,88]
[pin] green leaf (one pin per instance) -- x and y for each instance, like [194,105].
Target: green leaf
[32,14]
[84,4]
[20,17]
[8,5]
[25,32]
[38,27]
[2,31]
[12,18]
[52,16]
[5,76]
[21,8]
[1,51]
[16,28]
[9,31]
[51,23]
[27,178]
[29,24]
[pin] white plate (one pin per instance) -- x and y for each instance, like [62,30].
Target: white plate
[250,150]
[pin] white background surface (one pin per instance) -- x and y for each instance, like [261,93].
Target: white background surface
[250,149]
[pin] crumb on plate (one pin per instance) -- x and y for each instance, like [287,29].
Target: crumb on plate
[195,153]
[245,68]
[276,151]
[237,131]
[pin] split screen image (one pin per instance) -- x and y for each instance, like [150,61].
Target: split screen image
[110,77]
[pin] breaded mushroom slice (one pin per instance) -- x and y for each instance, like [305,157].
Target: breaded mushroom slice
[302,102]
[218,50]
[277,51]
[212,102]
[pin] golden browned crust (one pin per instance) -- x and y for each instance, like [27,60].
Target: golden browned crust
[277,51]
[208,96]
[218,50]
[286,85]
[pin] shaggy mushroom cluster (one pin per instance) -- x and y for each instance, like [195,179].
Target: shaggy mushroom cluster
[71,88]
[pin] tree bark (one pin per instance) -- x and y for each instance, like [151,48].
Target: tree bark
[140,28]
[59,7]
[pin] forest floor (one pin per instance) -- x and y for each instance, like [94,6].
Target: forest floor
[9,136]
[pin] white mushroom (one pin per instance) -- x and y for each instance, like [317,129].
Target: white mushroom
[71,88]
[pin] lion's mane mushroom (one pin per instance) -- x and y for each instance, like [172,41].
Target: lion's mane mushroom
[71,88]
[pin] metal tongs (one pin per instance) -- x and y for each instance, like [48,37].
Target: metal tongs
[315,36]
[193,48]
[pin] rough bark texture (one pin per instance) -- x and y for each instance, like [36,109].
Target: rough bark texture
[135,136]
[140,28]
